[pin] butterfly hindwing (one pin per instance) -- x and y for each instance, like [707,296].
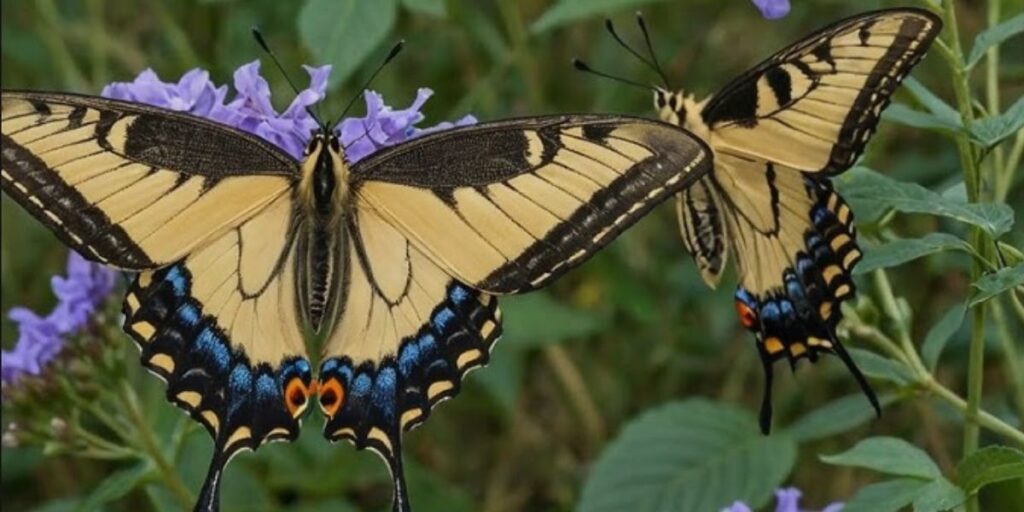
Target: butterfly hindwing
[510,206]
[813,106]
[699,210]
[128,185]
[222,329]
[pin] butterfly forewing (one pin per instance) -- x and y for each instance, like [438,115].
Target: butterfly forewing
[814,105]
[548,194]
[132,186]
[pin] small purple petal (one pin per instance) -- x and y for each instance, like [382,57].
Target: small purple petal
[737,506]
[384,126]
[788,500]
[40,339]
[772,9]
[833,507]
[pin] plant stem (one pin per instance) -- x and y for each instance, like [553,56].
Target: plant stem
[983,418]
[975,188]
[1010,356]
[892,310]
[520,39]
[149,445]
[576,389]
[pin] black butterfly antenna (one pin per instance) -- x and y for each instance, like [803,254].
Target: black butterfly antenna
[395,50]
[651,62]
[256,34]
[584,67]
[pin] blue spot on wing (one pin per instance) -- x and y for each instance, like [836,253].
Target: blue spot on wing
[213,346]
[362,385]
[384,392]
[442,318]
[409,358]
[458,294]
[178,280]
[188,314]
[266,388]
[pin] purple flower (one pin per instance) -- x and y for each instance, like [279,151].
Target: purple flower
[251,109]
[787,500]
[40,339]
[384,127]
[772,9]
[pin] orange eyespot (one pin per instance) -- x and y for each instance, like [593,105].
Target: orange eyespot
[296,394]
[332,396]
[747,316]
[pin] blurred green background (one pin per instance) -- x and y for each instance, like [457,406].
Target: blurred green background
[632,329]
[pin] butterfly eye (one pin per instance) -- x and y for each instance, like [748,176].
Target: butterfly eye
[661,100]
[748,318]
[332,396]
[296,394]
[335,144]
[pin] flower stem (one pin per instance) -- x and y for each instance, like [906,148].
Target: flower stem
[892,310]
[149,445]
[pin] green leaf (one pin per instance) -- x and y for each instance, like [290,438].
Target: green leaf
[888,496]
[343,33]
[946,113]
[888,455]
[994,129]
[937,496]
[899,252]
[537,319]
[836,417]
[989,465]
[503,378]
[872,190]
[694,455]
[995,283]
[433,8]
[880,367]
[115,486]
[940,333]
[993,36]
[903,114]
[568,11]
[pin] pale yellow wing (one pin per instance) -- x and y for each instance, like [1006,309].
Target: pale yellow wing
[508,207]
[814,106]
[129,185]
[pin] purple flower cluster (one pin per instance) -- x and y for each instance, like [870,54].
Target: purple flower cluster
[40,339]
[772,9]
[787,500]
[252,111]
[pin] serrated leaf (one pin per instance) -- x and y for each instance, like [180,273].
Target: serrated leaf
[888,496]
[901,251]
[537,319]
[874,190]
[115,486]
[694,455]
[940,333]
[989,465]
[343,33]
[880,367]
[993,36]
[992,130]
[888,455]
[836,417]
[995,283]
[937,496]
[568,11]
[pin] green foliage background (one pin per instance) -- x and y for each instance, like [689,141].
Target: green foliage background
[629,335]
